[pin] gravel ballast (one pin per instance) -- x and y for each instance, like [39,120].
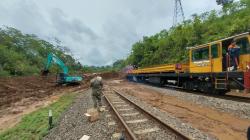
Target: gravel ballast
[159,133]
[238,109]
[172,121]
[73,124]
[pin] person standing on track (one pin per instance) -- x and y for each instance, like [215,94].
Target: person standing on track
[96,85]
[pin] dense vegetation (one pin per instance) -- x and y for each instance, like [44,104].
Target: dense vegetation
[170,46]
[116,66]
[24,54]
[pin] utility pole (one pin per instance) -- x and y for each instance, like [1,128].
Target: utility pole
[223,2]
[178,13]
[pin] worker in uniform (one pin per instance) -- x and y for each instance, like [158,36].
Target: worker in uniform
[96,85]
[234,52]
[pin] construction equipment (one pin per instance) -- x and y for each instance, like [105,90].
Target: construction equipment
[208,68]
[63,77]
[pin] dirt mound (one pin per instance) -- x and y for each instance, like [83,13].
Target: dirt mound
[15,89]
[109,75]
[104,75]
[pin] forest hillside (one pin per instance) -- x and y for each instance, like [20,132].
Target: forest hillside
[169,46]
[25,54]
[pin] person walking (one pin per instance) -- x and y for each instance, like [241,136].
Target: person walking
[96,85]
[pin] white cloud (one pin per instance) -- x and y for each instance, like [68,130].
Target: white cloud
[98,32]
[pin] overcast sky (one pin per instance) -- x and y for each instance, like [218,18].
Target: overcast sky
[98,32]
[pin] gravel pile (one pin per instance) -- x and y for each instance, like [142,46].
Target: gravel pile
[238,109]
[187,129]
[73,124]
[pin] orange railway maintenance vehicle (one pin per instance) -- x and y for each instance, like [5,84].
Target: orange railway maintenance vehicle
[208,69]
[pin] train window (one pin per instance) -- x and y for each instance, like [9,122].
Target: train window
[200,54]
[243,43]
[214,50]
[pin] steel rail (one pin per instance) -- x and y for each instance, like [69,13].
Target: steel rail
[183,136]
[129,131]
[235,98]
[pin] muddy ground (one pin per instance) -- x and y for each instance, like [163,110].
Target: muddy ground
[22,95]
[38,91]
[15,89]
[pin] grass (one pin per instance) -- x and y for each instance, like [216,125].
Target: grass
[34,126]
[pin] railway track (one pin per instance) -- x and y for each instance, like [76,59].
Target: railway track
[237,98]
[140,123]
[225,97]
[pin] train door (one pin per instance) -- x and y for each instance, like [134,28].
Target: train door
[243,43]
[200,60]
[216,57]
[225,63]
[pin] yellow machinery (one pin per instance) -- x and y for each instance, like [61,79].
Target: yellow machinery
[207,69]
[211,57]
[207,58]
[163,69]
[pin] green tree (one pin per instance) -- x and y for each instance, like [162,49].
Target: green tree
[169,46]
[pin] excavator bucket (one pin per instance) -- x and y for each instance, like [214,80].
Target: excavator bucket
[44,72]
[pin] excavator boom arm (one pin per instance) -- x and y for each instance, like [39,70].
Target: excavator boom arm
[55,59]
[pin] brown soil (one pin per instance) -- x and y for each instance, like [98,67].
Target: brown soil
[110,75]
[221,125]
[104,75]
[22,95]
[13,115]
[15,89]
